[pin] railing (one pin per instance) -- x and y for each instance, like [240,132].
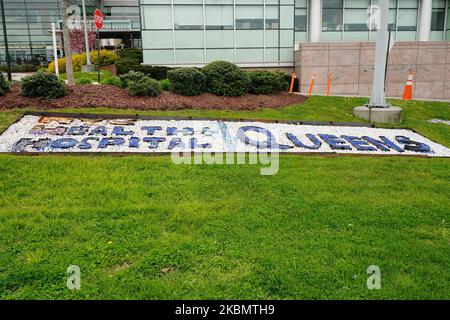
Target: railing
[108,25]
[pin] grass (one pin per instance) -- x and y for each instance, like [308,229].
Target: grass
[141,227]
[93,76]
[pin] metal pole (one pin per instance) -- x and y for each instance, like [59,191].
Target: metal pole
[86,36]
[55,49]
[5,37]
[98,56]
[378,98]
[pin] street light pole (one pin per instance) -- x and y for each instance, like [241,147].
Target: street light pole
[86,37]
[5,37]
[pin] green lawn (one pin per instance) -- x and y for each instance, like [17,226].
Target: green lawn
[104,74]
[141,227]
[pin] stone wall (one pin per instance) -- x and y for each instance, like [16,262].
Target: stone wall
[351,64]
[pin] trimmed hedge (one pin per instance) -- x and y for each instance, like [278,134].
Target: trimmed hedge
[130,53]
[134,76]
[144,87]
[225,79]
[44,85]
[187,81]
[266,82]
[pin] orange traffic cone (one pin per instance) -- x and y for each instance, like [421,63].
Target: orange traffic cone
[330,77]
[312,84]
[291,87]
[408,92]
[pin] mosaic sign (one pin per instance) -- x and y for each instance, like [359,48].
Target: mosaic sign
[71,133]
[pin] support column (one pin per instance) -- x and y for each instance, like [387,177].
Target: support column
[426,7]
[314,20]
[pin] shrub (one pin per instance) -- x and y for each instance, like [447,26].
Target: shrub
[164,84]
[61,65]
[19,67]
[112,81]
[134,76]
[130,53]
[144,87]
[225,79]
[187,81]
[155,72]
[266,82]
[124,66]
[107,57]
[83,81]
[45,85]
[4,84]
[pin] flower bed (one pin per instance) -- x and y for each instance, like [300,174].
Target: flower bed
[82,96]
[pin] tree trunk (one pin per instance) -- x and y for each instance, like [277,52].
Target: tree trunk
[67,48]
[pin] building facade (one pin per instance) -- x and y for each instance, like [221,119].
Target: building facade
[250,33]
[266,33]
[28,25]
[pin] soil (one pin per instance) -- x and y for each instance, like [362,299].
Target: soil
[93,96]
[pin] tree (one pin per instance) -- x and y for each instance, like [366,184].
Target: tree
[78,42]
[67,47]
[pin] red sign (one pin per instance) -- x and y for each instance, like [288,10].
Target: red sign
[98,19]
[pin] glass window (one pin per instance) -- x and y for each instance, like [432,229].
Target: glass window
[407,20]
[356,19]
[249,17]
[219,54]
[332,15]
[189,39]
[300,19]
[249,55]
[219,17]
[155,57]
[408,4]
[272,20]
[219,39]
[250,38]
[188,17]
[157,39]
[157,17]
[190,56]
[286,14]
[438,15]
[301,3]
[361,4]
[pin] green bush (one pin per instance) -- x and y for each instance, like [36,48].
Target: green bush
[187,81]
[19,67]
[4,84]
[111,81]
[124,66]
[144,87]
[164,84]
[130,53]
[155,72]
[225,79]
[134,76]
[83,81]
[42,84]
[266,82]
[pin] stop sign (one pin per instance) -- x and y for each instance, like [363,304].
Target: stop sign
[98,19]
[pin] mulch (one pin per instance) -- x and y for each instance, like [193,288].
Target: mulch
[94,96]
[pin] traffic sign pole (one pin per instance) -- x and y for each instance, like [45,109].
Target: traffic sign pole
[98,19]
